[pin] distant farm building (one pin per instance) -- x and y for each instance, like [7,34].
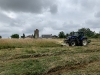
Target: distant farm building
[54,36]
[47,36]
[36,33]
[30,36]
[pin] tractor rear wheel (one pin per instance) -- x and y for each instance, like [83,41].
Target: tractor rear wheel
[72,43]
[84,42]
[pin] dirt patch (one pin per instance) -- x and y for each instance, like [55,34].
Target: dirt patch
[60,69]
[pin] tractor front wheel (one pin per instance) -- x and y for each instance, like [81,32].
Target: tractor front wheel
[72,43]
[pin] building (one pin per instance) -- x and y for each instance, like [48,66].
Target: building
[30,36]
[47,36]
[36,33]
[54,36]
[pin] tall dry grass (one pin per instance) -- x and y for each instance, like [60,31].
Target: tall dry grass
[20,43]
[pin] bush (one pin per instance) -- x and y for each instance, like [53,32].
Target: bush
[96,36]
[15,36]
[0,37]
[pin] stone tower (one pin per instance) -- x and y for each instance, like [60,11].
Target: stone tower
[36,33]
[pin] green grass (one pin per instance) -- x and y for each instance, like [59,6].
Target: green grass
[47,57]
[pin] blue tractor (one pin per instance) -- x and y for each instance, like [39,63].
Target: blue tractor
[77,39]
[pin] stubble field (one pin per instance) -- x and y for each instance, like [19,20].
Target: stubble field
[48,57]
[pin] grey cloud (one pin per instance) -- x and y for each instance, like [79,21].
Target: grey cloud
[4,18]
[34,6]
[97,15]
[17,23]
[64,26]
[7,31]
[31,28]
[93,23]
[71,26]
[49,30]
[74,1]
[44,27]
[90,5]
[86,5]
[53,9]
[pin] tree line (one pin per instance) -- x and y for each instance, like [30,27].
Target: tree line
[17,36]
[89,33]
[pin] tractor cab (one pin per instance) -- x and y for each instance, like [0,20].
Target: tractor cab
[75,35]
[79,35]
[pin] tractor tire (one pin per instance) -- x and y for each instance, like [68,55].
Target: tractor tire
[72,43]
[84,42]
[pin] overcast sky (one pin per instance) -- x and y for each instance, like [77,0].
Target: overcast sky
[49,16]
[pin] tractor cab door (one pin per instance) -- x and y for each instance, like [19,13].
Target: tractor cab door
[80,35]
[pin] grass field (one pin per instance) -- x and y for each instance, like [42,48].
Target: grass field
[48,57]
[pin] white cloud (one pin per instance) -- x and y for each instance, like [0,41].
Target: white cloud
[10,14]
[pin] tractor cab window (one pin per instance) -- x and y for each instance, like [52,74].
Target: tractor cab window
[78,34]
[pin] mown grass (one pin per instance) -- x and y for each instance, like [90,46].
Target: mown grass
[47,57]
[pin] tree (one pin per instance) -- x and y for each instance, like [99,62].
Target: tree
[61,34]
[23,36]
[0,37]
[87,32]
[71,33]
[67,35]
[15,36]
